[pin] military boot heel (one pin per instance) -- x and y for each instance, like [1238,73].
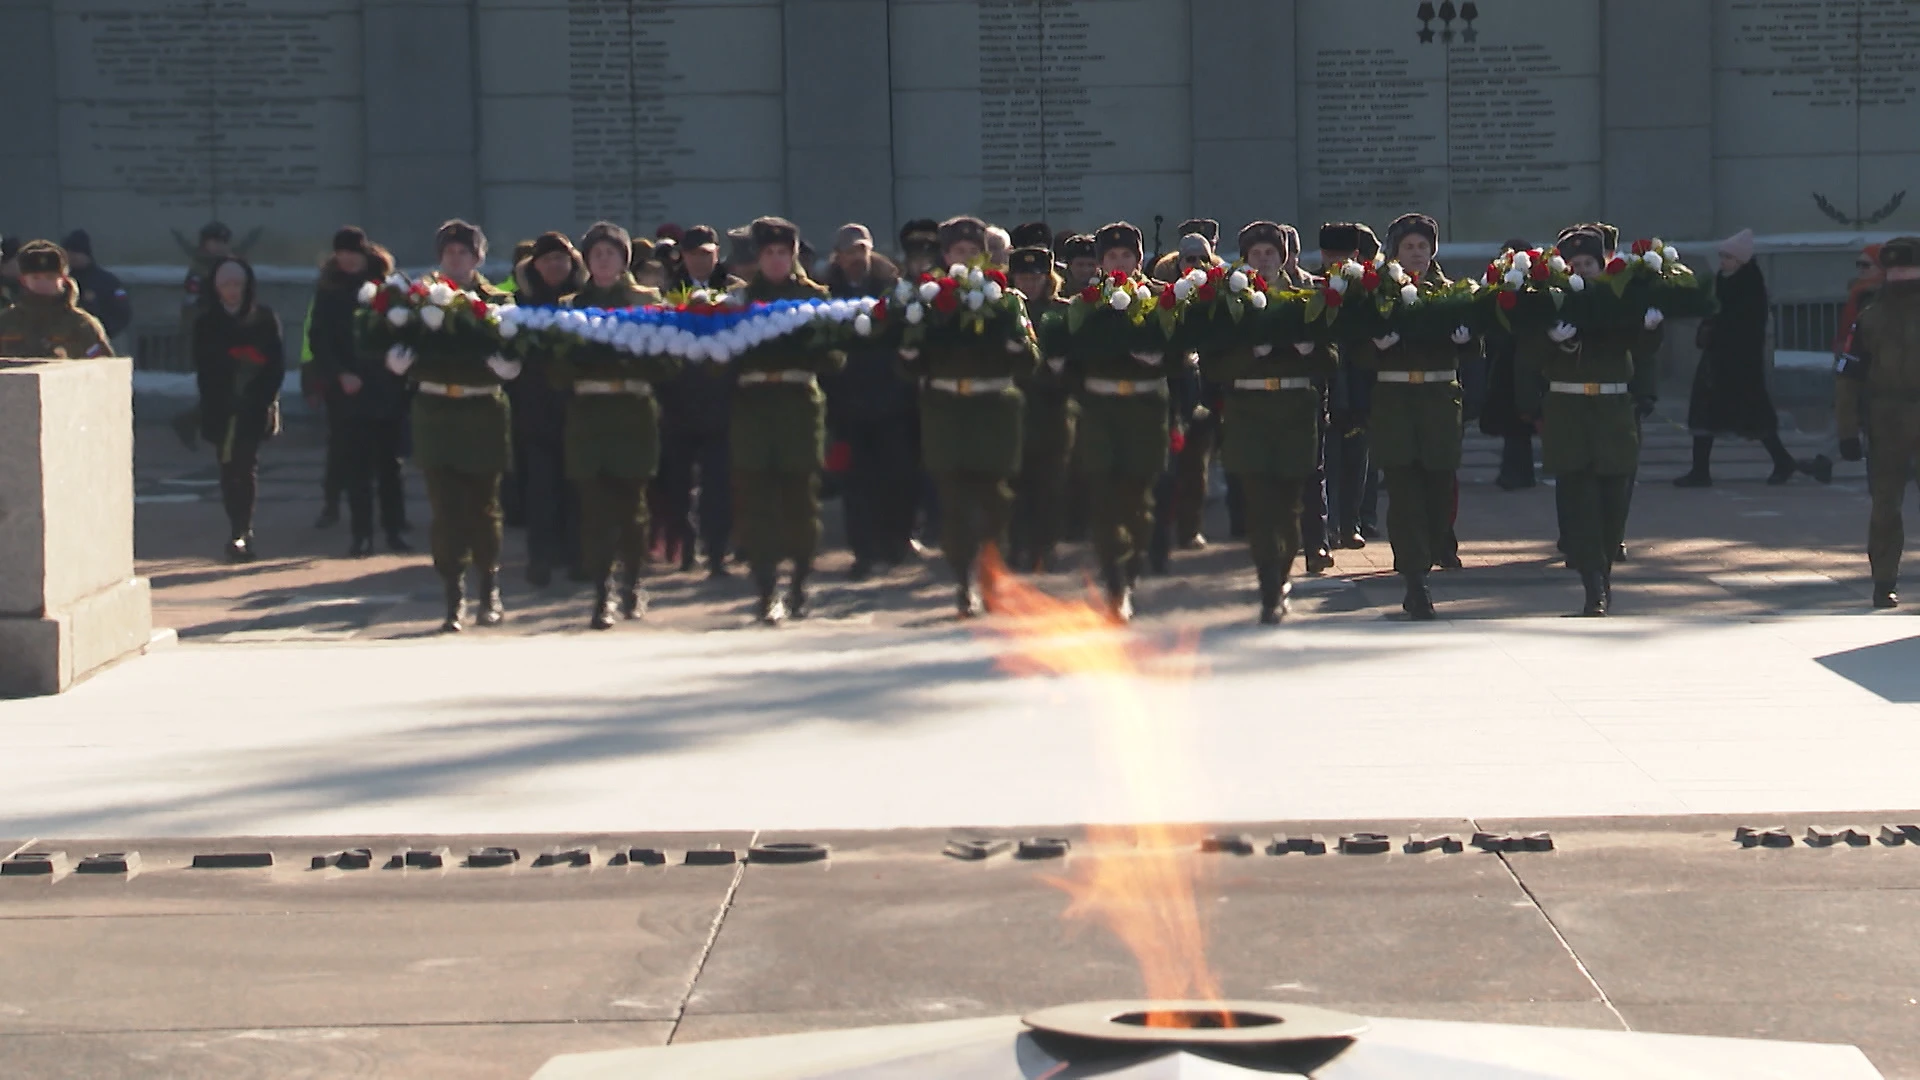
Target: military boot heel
[1419,599]
[1119,594]
[456,595]
[634,602]
[1885,595]
[492,611]
[1596,588]
[1274,604]
[965,603]
[798,606]
[603,606]
[767,609]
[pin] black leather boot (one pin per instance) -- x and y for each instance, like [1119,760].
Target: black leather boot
[767,609]
[603,605]
[1820,467]
[1595,585]
[492,612]
[1419,601]
[965,603]
[633,599]
[797,600]
[1885,595]
[1119,594]
[1275,596]
[456,593]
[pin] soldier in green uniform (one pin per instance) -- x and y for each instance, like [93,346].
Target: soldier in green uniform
[970,419]
[461,434]
[1882,363]
[1271,448]
[46,320]
[612,428]
[1122,441]
[1586,385]
[779,428]
[1046,446]
[1416,421]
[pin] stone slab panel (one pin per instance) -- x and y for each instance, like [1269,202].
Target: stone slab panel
[30,184]
[1244,180]
[1659,181]
[1244,86]
[837,73]
[48,654]
[830,186]
[1659,63]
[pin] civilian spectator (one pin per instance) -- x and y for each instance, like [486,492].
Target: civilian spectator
[238,360]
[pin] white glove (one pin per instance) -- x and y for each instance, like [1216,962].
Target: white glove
[1562,332]
[400,359]
[1152,359]
[1654,319]
[1462,335]
[507,370]
[1304,348]
[909,355]
[1262,350]
[1385,343]
[1016,346]
[1058,364]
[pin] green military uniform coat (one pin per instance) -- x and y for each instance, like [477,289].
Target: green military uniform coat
[1272,432]
[472,433]
[782,427]
[1119,435]
[1884,365]
[51,328]
[974,433]
[612,434]
[1598,432]
[1416,424]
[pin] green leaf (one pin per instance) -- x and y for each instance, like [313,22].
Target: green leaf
[1236,307]
[1316,304]
[1559,299]
[1076,316]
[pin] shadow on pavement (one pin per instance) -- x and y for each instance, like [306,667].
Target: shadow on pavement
[1891,670]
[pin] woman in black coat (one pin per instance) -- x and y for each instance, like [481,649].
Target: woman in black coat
[1730,384]
[1500,414]
[239,362]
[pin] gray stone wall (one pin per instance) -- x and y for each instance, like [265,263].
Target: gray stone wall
[141,119]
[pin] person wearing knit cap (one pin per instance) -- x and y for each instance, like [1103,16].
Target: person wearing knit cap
[1589,388]
[1080,261]
[1416,426]
[1041,495]
[779,430]
[1349,403]
[1880,369]
[552,271]
[1174,263]
[46,321]
[1730,394]
[971,416]
[462,434]
[1499,414]
[366,405]
[101,293]
[920,246]
[612,430]
[1125,398]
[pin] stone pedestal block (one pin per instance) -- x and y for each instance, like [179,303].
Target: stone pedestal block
[69,603]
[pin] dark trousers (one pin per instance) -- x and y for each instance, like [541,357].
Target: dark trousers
[880,494]
[1191,469]
[1419,512]
[1344,450]
[371,463]
[699,462]
[974,511]
[1040,502]
[1273,520]
[1313,503]
[333,478]
[1120,517]
[1893,440]
[553,512]
[613,525]
[240,485]
[1369,502]
[779,517]
[1516,459]
[1594,516]
[466,520]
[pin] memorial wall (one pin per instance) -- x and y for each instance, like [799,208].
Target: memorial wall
[141,119]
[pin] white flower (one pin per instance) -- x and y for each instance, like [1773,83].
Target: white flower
[1557,264]
[439,294]
[1410,294]
[397,281]
[1515,277]
[1522,261]
[1121,300]
[1144,293]
[508,330]
[1672,254]
[977,278]
[1398,273]
[915,313]
[1238,281]
[1258,300]
[1352,270]
[398,316]
[976,300]
[1633,260]
[368,292]
[1576,283]
[957,271]
[1657,244]
[1654,261]
[992,291]
[1182,289]
[928,290]
[434,317]
[1196,277]
[902,291]
[1339,284]
[863,324]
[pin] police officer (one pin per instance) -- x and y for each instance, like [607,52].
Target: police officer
[779,429]
[1883,366]
[1124,402]
[1593,380]
[462,437]
[46,320]
[970,418]
[612,429]
[1052,415]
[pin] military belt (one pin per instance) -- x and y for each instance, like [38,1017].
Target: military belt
[1126,387]
[1298,383]
[1418,377]
[1588,389]
[458,390]
[772,378]
[636,387]
[971,387]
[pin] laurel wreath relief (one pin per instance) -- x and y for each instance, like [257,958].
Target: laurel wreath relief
[1826,207]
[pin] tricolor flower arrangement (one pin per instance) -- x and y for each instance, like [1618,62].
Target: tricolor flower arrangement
[960,300]
[702,332]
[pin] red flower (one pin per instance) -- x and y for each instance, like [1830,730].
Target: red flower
[1493,274]
[1508,300]
[925,277]
[1090,294]
[1332,297]
[1167,299]
[880,311]
[1216,274]
[1641,247]
[479,309]
[419,289]
[1206,293]
[997,278]
[248,354]
[1259,283]
[948,285]
[1176,440]
[947,302]
[1540,271]
[1617,265]
[1370,280]
[1119,277]
[839,456]
[382,300]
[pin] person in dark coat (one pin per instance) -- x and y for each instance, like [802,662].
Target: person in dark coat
[1730,384]
[870,407]
[1500,415]
[239,362]
[101,293]
[692,496]
[553,271]
[366,403]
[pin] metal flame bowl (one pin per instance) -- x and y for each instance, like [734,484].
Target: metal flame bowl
[1239,1024]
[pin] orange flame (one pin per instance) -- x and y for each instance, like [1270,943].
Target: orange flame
[1138,880]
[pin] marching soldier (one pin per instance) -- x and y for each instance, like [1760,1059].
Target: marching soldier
[779,430]
[1273,250]
[1349,400]
[46,321]
[1081,263]
[1883,365]
[612,429]
[1595,381]
[1052,414]
[970,420]
[1122,441]
[1181,523]
[462,437]
[1416,429]
[552,271]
